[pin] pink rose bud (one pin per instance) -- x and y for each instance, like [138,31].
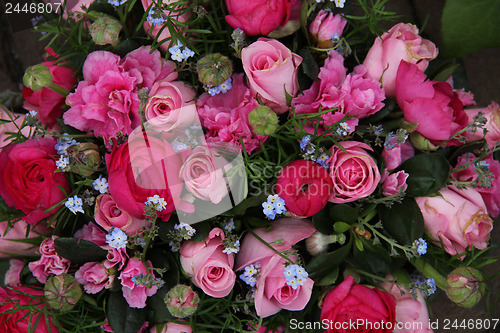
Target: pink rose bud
[62,292]
[394,183]
[182,301]
[465,286]
[325,28]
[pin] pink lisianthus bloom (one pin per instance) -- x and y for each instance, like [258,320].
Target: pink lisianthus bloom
[350,95]
[272,291]
[433,105]
[225,116]
[49,263]
[401,42]
[325,27]
[492,115]
[134,293]
[393,183]
[94,277]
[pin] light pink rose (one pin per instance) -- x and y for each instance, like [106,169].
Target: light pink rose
[171,328]
[208,267]
[271,69]
[401,42]
[13,274]
[49,263]
[10,244]
[116,257]
[94,277]
[492,115]
[326,26]
[397,155]
[458,218]
[225,116]
[10,127]
[203,174]
[136,294]
[410,312]
[92,233]
[393,183]
[108,214]
[272,292]
[354,173]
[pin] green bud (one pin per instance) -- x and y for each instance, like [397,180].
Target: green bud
[182,301]
[465,286]
[84,158]
[62,292]
[105,30]
[422,143]
[263,120]
[214,69]
[37,77]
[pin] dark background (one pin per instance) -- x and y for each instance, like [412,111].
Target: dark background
[21,49]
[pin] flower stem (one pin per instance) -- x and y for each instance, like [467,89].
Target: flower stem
[429,271]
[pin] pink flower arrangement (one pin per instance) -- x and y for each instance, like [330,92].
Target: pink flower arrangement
[136,293]
[94,277]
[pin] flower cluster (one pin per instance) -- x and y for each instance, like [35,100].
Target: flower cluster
[295,275]
[274,205]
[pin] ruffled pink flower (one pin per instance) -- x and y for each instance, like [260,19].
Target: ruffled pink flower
[226,116]
[397,155]
[94,277]
[393,183]
[136,294]
[49,263]
[116,257]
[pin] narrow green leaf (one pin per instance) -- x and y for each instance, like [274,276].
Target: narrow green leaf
[428,173]
[121,317]
[79,251]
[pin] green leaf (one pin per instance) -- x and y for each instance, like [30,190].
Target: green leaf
[469,26]
[202,231]
[158,311]
[341,227]
[79,251]
[322,221]
[403,221]
[121,317]
[428,173]
[309,64]
[329,279]
[343,213]
[321,266]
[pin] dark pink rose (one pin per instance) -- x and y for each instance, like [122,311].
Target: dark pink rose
[433,105]
[325,27]
[272,292]
[354,173]
[28,178]
[94,277]
[401,42]
[258,17]
[11,243]
[49,263]
[305,186]
[136,294]
[208,267]
[492,115]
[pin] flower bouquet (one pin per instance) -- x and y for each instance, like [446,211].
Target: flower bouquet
[241,166]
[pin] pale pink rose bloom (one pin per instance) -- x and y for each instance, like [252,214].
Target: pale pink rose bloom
[108,214]
[10,127]
[354,173]
[272,292]
[271,69]
[397,155]
[135,294]
[458,217]
[171,328]
[9,240]
[49,263]
[325,26]
[401,42]
[94,277]
[393,183]
[208,267]
[492,115]
[13,274]
[226,116]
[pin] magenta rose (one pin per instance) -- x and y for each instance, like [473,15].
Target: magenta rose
[272,291]
[94,277]
[458,218]
[305,186]
[258,17]
[325,27]
[11,239]
[401,42]
[433,105]
[354,173]
[208,267]
[50,261]
[350,302]
[136,294]
[492,115]
[28,178]
[271,69]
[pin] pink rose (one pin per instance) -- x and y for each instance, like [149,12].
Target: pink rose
[397,155]
[171,328]
[433,105]
[354,173]
[28,178]
[93,234]
[393,183]
[108,214]
[305,186]
[410,312]
[258,17]
[492,115]
[11,243]
[458,218]
[271,69]
[401,42]
[10,127]
[94,277]
[225,116]
[72,6]
[208,267]
[49,263]
[136,294]
[325,27]
[272,292]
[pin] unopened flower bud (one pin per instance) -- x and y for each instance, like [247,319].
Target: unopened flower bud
[263,120]
[37,77]
[85,158]
[214,69]
[182,301]
[317,243]
[465,286]
[105,30]
[326,28]
[62,292]
[422,143]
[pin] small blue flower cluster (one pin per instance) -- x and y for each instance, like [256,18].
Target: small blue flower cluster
[251,274]
[421,246]
[179,54]
[234,248]
[309,150]
[116,238]
[274,205]
[343,129]
[223,88]
[116,3]
[426,285]
[157,202]
[61,147]
[229,226]
[155,16]
[74,204]
[100,184]
[295,275]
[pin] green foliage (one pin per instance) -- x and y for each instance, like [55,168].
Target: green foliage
[428,173]
[121,317]
[79,251]
[322,266]
[403,221]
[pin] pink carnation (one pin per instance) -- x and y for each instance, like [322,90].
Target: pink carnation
[393,183]
[94,277]
[49,263]
[135,294]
